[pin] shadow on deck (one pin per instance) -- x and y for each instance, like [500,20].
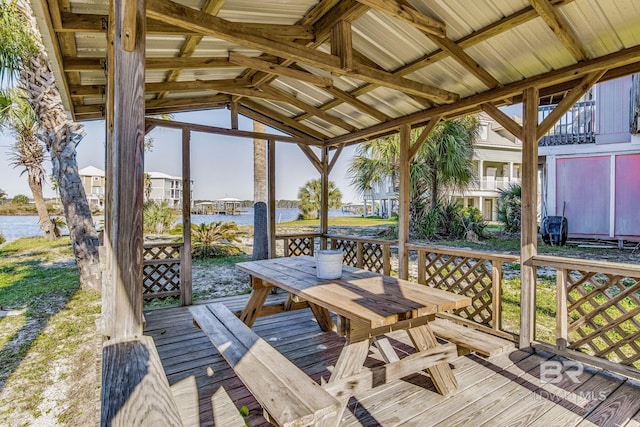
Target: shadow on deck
[503,390]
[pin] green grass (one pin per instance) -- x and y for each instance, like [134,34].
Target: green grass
[51,323]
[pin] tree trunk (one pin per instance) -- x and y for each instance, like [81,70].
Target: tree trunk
[43,216]
[434,187]
[61,136]
[260,223]
[259,166]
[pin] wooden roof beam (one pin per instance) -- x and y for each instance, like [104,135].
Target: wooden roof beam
[405,12]
[176,14]
[435,30]
[567,102]
[278,95]
[230,86]
[560,28]
[223,131]
[255,111]
[194,63]
[622,58]
[507,122]
[511,21]
[159,106]
[89,23]
[322,18]
[315,161]
[429,127]
[342,45]
[211,7]
[279,70]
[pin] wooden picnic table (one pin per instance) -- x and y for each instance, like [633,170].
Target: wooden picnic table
[368,305]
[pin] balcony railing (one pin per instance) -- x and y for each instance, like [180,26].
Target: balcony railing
[577,126]
[498,183]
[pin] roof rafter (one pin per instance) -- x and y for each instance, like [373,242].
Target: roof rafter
[621,58]
[507,122]
[176,14]
[189,46]
[255,111]
[405,12]
[560,28]
[511,21]
[88,23]
[567,102]
[279,70]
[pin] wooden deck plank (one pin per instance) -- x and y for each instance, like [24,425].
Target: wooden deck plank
[500,391]
[574,407]
[403,406]
[618,407]
[413,399]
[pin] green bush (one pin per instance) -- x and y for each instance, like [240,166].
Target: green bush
[473,221]
[20,199]
[510,208]
[215,239]
[158,218]
[2,239]
[449,221]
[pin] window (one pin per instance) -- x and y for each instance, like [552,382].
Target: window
[484,131]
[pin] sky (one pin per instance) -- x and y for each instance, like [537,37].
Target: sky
[221,166]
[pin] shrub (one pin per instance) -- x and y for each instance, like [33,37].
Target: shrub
[215,239]
[473,221]
[450,221]
[2,239]
[158,218]
[510,208]
[20,199]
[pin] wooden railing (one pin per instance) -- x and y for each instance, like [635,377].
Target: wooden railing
[361,252]
[364,252]
[161,271]
[597,310]
[475,274]
[298,244]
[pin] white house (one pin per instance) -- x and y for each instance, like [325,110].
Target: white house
[165,187]
[93,181]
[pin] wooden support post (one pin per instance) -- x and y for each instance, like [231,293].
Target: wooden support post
[403,202]
[125,169]
[233,108]
[529,234]
[341,44]
[562,334]
[185,256]
[271,197]
[496,290]
[324,198]
[422,267]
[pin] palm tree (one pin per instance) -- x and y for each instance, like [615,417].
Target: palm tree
[22,55]
[216,238]
[16,114]
[448,153]
[310,194]
[443,163]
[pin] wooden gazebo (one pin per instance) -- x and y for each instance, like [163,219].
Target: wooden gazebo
[327,73]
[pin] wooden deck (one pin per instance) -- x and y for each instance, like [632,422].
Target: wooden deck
[503,390]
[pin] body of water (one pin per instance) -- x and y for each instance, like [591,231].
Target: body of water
[15,226]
